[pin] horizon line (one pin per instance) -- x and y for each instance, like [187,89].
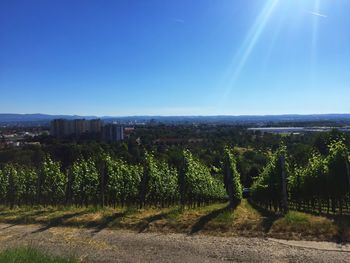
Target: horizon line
[195,115]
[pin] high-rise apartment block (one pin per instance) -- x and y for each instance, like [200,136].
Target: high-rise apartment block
[61,128]
[113,133]
[95,126]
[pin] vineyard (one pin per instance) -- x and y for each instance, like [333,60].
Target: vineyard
[320,186]
[106,181]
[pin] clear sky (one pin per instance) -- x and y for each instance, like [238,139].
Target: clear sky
[178,57]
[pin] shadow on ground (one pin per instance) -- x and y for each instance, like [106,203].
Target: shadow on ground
[105,222]
[7,227]
[268,217]
[145,222]
[204,220]
[343,228]
[58,221]
[25,218]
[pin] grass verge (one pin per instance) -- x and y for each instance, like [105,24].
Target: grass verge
[215,219]
[297,225]
[29,255]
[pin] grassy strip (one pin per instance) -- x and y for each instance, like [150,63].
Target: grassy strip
[304,226]
[29,255]
[215,219]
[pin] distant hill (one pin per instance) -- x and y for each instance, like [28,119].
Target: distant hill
[11,118]
[36,117]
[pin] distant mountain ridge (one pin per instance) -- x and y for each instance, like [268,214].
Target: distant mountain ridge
[14,117]
[46,118]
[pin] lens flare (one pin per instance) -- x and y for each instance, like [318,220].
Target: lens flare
[247,47]
[314,41]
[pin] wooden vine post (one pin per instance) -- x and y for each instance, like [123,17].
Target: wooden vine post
[347,169]
[284,184]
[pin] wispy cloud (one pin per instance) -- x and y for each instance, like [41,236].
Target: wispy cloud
[317,14]
[178,20]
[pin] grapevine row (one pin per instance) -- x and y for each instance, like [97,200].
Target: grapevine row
[108,181]
[322,186]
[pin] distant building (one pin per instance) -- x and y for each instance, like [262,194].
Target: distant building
[81,126]
[113,133]
[58,128]
[95,126]
[61,128]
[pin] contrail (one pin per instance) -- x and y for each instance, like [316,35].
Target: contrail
[317,14]
[178,20]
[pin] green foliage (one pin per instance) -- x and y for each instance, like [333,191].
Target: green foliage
[293,217]
[52,182]
[116,181]
[28,178]
[162,185]
[4,182]
[310,182]
[319,180]
[268,186]
[85,184]
[338,183]
[198,183]
[13,185]
[323,140]
[323,180]
[232,177]
[123,181]
[18,185]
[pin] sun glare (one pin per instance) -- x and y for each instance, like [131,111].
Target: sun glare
[315,28]
[293,11]
[247,47]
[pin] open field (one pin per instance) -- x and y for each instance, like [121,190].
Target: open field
[216,219]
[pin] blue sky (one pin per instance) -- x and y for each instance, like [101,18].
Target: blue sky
[183,57]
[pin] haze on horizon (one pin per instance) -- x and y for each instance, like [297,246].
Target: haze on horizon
[184,57]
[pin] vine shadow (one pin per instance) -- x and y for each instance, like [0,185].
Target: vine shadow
[58,221]
[106,221]
[204,220]
[145,222]
[269,217]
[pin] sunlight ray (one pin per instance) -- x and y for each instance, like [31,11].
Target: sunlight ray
[247,47]
[314,41]
[272,44]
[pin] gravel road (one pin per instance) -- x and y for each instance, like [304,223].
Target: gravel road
[102,245]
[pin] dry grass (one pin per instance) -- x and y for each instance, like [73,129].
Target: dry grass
[215,219]
[304,226]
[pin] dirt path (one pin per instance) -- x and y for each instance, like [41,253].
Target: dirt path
[124,246]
